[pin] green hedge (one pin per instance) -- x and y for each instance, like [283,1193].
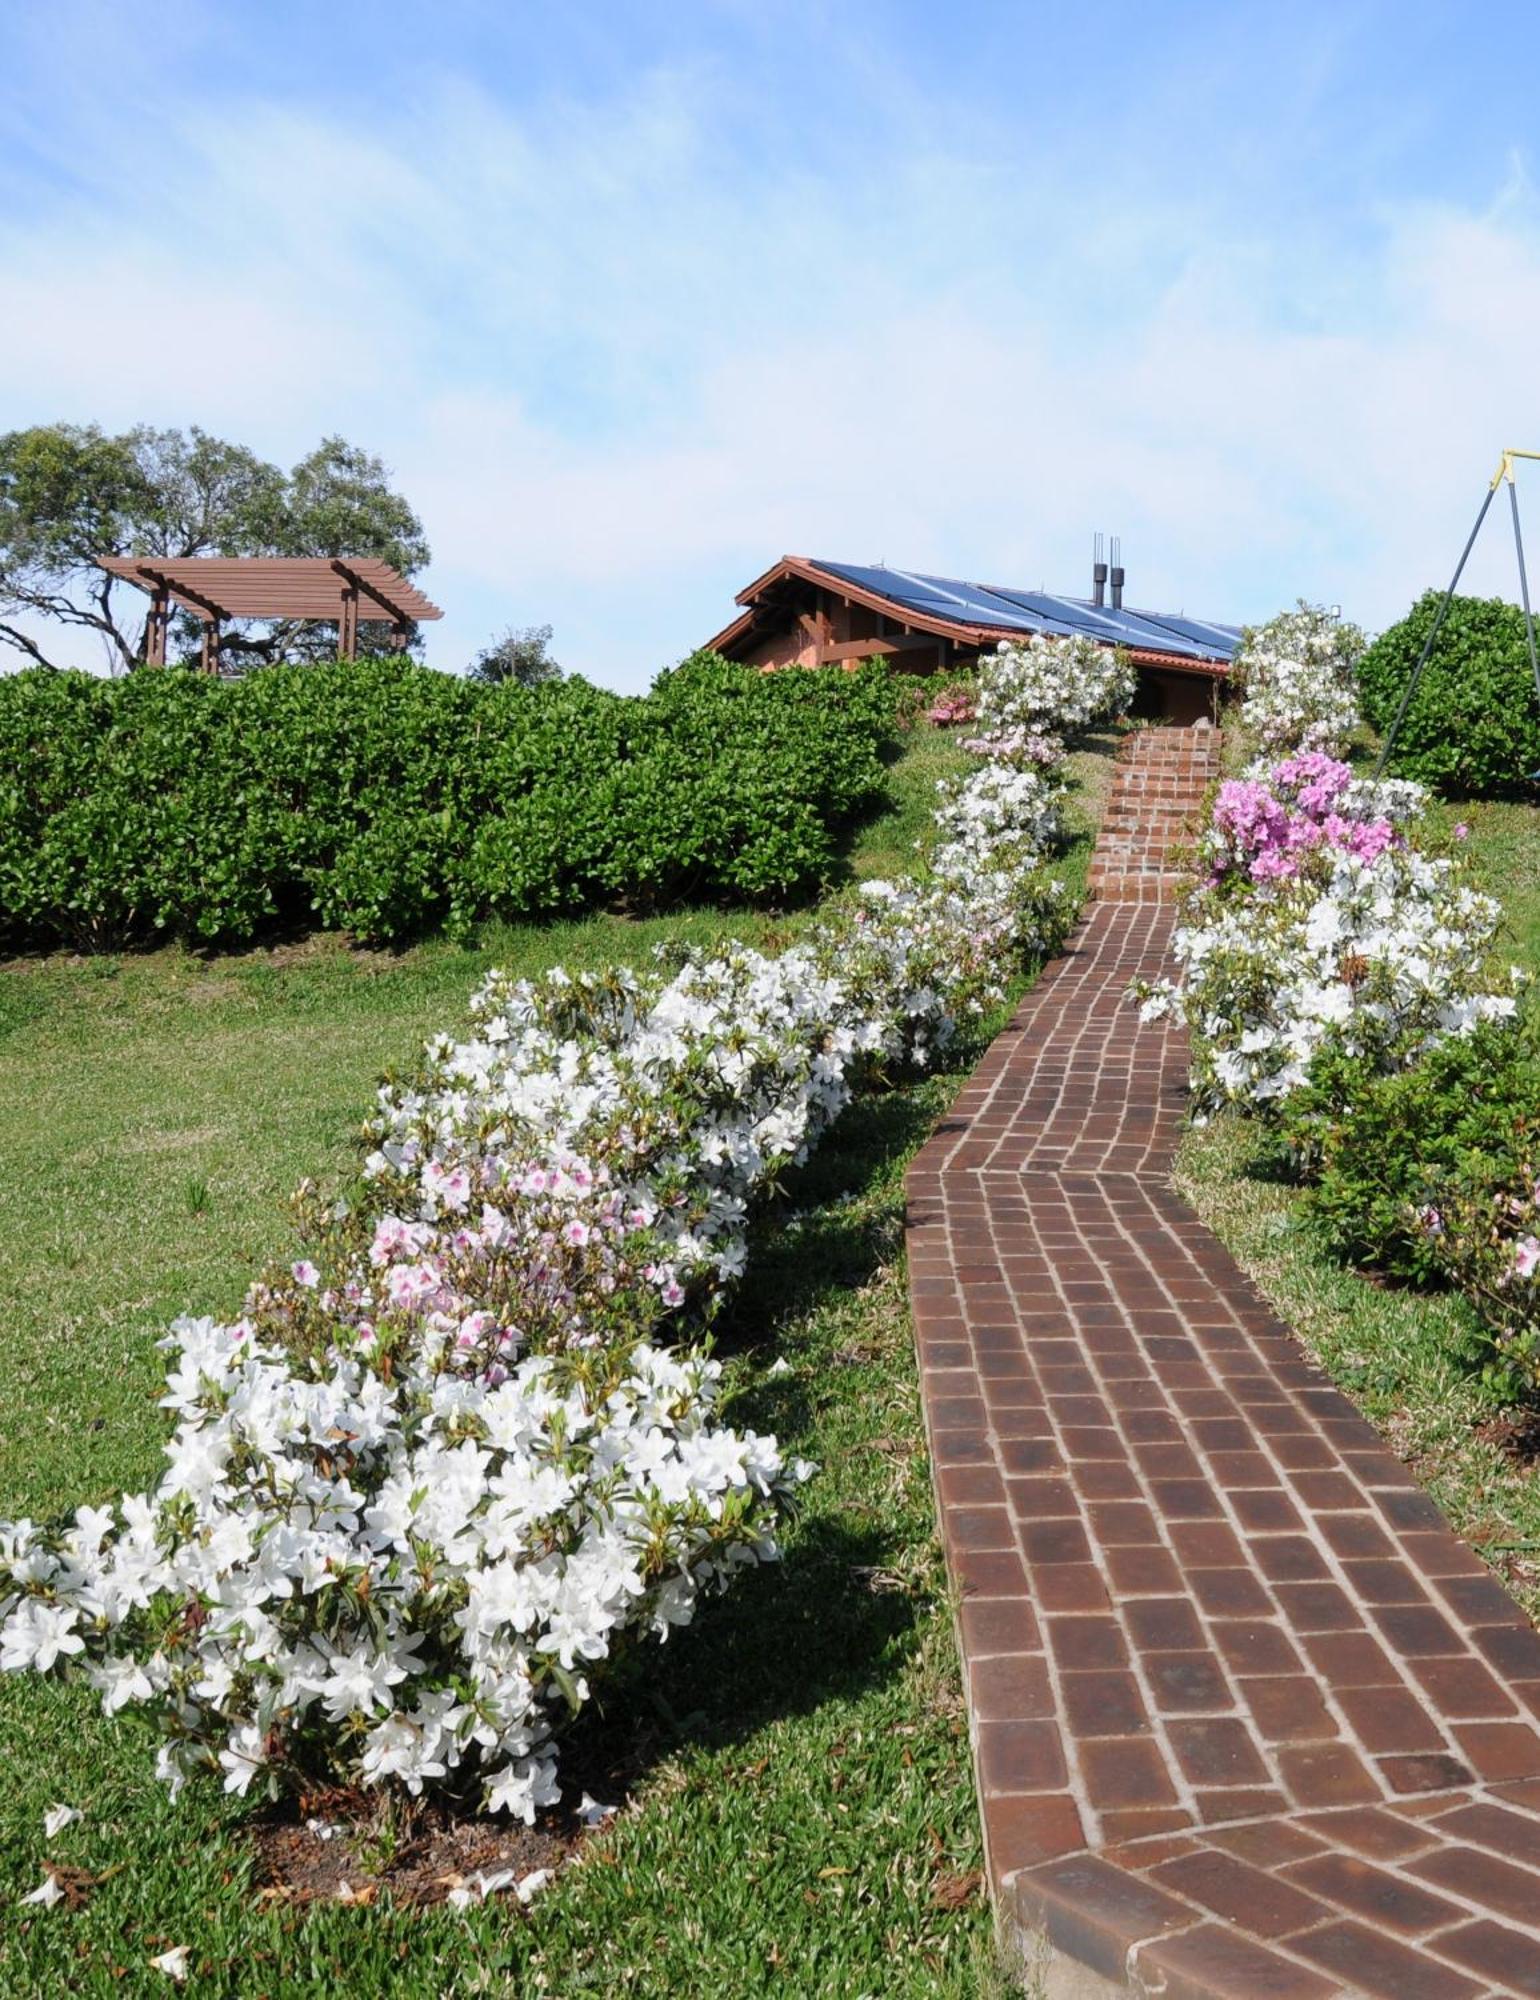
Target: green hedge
[1474,727]
[382,798]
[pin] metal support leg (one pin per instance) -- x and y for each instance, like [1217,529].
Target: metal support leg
[1432,638]
[1529,616]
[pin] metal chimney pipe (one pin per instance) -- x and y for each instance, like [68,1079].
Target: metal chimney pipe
[1098,573]
[1117,573]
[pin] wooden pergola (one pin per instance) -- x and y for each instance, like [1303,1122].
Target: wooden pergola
[318,589]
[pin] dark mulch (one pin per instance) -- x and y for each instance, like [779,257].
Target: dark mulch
[352,1847]
[357,1845]
[1516,1434]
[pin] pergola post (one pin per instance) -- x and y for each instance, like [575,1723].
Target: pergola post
[155,628]
[347,626]
[211,638]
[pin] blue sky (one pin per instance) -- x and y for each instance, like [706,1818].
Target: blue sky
[634,298]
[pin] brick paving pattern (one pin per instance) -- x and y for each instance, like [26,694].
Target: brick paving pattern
[1247,1718]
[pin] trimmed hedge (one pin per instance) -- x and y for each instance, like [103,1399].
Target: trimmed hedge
[381,798]
[1473,729]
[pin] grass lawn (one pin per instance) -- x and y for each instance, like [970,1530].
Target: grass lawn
[1411,1361]
[804,1822]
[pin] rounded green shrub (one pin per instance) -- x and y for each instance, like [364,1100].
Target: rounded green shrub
[1473,727]
[1381,1148]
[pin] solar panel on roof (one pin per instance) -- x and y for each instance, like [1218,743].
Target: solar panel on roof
[968,603]
[1221,639]
[1066,611]
[1008,610]
[985,605]
[888,581]
[1091,621]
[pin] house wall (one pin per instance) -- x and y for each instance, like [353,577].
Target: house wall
[825,618]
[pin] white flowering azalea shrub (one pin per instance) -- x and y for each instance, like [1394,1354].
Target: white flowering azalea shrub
[461,1452]
[1299,677]
[1322,925]
[393,1577]
[996,819]
[1052,686]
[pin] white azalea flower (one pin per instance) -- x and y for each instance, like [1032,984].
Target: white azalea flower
[37,1634]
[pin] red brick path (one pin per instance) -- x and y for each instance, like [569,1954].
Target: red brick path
[1248,1719]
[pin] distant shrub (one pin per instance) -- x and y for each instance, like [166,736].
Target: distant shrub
[1057,685]
[1473,728]
[382,798]
[518,653]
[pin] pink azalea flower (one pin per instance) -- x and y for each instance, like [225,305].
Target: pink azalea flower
[390,1236]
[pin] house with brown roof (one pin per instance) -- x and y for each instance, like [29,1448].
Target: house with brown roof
[806,611]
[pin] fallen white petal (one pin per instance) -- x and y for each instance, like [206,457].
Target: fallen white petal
[57,1818]
[47,1892]
[590,1812]
[532,1884]
[174,1962]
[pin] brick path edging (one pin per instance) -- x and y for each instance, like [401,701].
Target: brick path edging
[1248,1720]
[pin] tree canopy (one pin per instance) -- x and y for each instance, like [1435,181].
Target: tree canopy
[69,492]
[520,653]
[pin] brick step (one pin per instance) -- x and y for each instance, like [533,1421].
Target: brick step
[1158,787]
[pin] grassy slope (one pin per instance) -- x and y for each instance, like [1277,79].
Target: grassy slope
[810,1787]
[1411,1361]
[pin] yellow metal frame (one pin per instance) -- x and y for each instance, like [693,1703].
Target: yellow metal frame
[1505,465]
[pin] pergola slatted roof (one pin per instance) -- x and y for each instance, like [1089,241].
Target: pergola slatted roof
[278,586]
[327,589]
